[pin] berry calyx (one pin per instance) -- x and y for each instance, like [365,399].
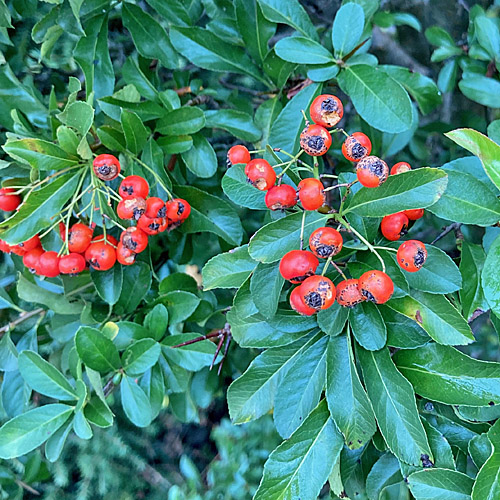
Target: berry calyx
[372,171]
[400,167]
[150,225]
[8,200]
[31,259]
[376,286]
[318,292]
[348,293]
[394,226]
[178,210]
[326,110]
[131,208]
[298,305]
[134,239]
[281,197]
[325,242]
[133,186]
[124,255]
[238,154]
[411,255]
[72,264]
[79,237]
[297,265]
[48,264]
[101,256]
[315,140]
[106,167]
[356,147]
[414,214]
[311,193]
[155,207]
[260,174]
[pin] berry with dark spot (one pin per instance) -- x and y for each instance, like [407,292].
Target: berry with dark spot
[124,255]
[394,226]
[134,186]
[31,259]
[178,210]
[315,140]
[100,255]
[297,265]
[400,167]
[150,225]
[298,305]
[325,242]
[311,193]
[106,167]
[79,237]
[134,239]
[281,197]
[326,110]
[372,171]
[356,147]
[348,294]
[260,174]
[318,292]
[72,264]
[376,286]
[411,255]
[155,207]
[131,208]
[238,154]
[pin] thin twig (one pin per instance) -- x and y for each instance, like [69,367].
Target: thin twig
[27,487]
[446,230]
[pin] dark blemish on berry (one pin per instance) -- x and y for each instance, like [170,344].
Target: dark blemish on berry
[368,295]
[303,277]
[162,212]
[329,105]
[314,300]
[137,213]
[426,462]
[418,317]
[154,226]
[419,258]
[491,403]
[325,250]
[128,189]
[358,151]
[180,208]
[377,167]
[105,170]
[404,230]
[316,143]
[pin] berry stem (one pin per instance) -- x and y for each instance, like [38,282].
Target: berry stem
[329,176]
[114,222]
[386,248]
[302,229]
[327,263]
[290,163]
[257,151]
[337,186]
[155,175]
[339,270]
[339,129]
[315,167]
[305,117]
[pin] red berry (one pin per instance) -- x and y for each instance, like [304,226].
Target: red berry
[32,259]
[150,225]
[134,239]
[79,238]
[106,167]
[348,294]
[372,171]
[110,240]
[325,242]
[376,286]
[414,214]
[412,255]
[260,174]
[131,208]
[100,256]
[62,230]
[16,249]
[318,292]
[326,110]
[9,201]
[356,147]
[4,246]
[297,265]
[400,167]
[394,226]
[167,224]
[298,304]
[73,263]
[281,197]
[178,210]
[30,244]
[48,264]
[134,186]
[311,193]
[315,140]
[155,207]
[124,255]
[238,154]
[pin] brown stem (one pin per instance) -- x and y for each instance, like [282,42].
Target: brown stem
[171,163]
[217,333]
[27,487]
[354,50]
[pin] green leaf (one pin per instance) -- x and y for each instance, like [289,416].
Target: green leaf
[174,11]
[153,385]
[481,89]
[237,188]
[180,305]
[471,265]
[368,326]
[55,443]
[201,158]
[275,239]
[192,357]
[444,374]
[266,285]
[135,403]
[8,354]
[210,213]
[347,400]
[490,276]
[440,484]
[494,131]
[409,190]
[112,138]
[44,378]
[98,413]
[347,28]
[447,78]
[384,472]
[26,432]
[175,144]
[136,134]
[228,270]
[301,50]
[149,37]
[488,34]
[238,123]
[333,319]
[394,405]
[185,120]
[140,356]
[5,19]
[402,332]
[388,19]
[487,485]
[300,466]
[81,426]
[108,283]
[300,389]
[96,351]
[136,279]
[381,101]
[156,321]
[35,214]
[436,316]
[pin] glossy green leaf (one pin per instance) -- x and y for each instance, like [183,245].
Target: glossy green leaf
[481,89]
[490,276]
[175,144]
[108,283]
[96,351]
[237,188]
[136,134]
[140,356]
[180,305]
[447,78]
[368,326]
[135,403]
[8,354]
[333,319]
[98,413]
[471,265]
[237,123]
[136,278]
[201,158]
[192,357]
[487,485]
[153,385]
[402,332]
[384,472]
[185,120]
[156,321]
[266,285]
[301,50]
[347,28]
[440,484]
[55,443]
[81,426]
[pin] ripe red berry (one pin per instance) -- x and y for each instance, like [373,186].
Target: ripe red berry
[150,225]
[297,265]
[348,294]
[311,193]
[30,244]
[167,224]
[48,264]
[394,226]
[134,186]
[326,110]
[325,242]
[318,292]
[414,214]
[73,263]
[260,174]
[32,259]
[9,201]
[281,197]
[298,304]
[400,167]
[178,210]
[372,171]
[376,286]
[62,230]
[155,207]
[238,154]
[79,237]
[110,240]
[356,147]
[134,239]
[4,246]
[124,255]
[412,255]
[315,140]
[131,208]
[100,256]
[106,167]
[16,249]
